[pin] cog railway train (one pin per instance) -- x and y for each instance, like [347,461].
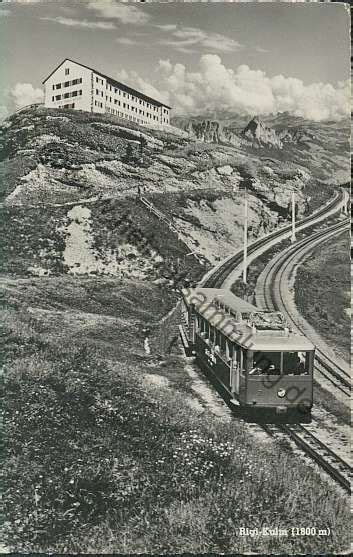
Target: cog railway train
[264,367]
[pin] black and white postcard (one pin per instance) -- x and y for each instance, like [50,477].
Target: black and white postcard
[175,277]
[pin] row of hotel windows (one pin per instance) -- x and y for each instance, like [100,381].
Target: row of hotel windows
[67,95]
[127,95]
[126,106]
[115,112]
[108,86]
[126,116]
[72,105]
[116,101]
[67,83]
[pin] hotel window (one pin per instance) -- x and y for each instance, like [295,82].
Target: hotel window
[58,86]
[58,97]
[67,71]
[53,98]
[53,87]
[124,105]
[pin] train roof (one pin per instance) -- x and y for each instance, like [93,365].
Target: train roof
[214,305]
[207,296]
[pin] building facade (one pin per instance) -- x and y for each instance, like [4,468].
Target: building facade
[73,85]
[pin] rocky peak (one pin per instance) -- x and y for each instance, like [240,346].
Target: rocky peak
[257,131]
[205,130]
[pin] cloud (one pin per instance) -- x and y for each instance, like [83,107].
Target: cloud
[24,93]
[126,41]
[105,25]
[4,112]
[243,91]
[126,13]
[167,27]
[187,39]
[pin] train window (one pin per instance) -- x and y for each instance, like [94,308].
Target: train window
[296,363]
[223,343]
[217,337]
[266,363]
[244,360]
[198,322]
[203,325]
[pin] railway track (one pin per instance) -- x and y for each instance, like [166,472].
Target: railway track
[326,458]
[275,291]
[217,277]
[321,454]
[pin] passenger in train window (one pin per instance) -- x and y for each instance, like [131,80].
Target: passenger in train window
[272,370]
[256,371]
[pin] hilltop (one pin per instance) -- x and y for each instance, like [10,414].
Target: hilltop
[59,158]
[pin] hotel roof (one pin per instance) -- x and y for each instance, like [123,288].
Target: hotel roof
[113,82]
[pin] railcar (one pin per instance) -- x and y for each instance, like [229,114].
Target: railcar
[262,364]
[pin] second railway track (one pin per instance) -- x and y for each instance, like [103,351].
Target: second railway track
[275,289]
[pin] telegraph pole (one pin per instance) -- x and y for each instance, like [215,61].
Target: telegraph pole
[293,237]
[245,251]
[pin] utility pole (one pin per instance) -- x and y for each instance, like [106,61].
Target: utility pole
[245,252]
[293,237]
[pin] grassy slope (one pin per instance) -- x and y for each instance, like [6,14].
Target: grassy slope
[323,292]
[100,461]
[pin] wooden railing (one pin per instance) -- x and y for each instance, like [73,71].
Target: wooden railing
[162,217]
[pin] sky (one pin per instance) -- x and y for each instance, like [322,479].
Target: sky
[196,56]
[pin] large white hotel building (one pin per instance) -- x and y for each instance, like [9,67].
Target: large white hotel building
[74,85]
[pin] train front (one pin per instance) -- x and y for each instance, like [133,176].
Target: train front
[279,374]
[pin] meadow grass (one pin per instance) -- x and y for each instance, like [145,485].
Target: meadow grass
[98,461]
[323,292]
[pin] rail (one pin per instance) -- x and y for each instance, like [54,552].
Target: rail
[33,105]
[337,468]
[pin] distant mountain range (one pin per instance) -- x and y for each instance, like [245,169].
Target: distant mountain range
[323,147]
